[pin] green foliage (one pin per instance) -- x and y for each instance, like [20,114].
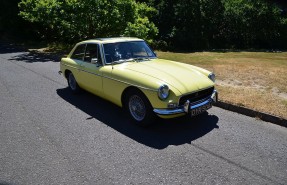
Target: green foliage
[208,24]
[11,25]
[165,24]
[72,20]
[6,13]
[253,23]
[142,27]
[189,24]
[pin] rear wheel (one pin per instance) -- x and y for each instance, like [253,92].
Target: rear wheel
[139,108]
[73,85]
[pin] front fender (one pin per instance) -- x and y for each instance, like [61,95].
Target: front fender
[116,80]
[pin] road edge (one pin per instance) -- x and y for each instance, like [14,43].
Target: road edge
[252,113]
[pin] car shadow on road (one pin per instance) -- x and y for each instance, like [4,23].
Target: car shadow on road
[163,133]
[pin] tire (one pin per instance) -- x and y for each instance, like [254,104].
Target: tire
[73,85]
[139,109]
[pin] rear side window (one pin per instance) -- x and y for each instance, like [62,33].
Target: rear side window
[79,52]
[93,51]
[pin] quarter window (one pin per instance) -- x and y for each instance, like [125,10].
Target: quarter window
[93,52]
[79,52]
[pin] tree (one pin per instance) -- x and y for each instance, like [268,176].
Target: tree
[142,27]
[189,24]
[175,24]
[251,23]
[11,25]
[208,24]
[72,19]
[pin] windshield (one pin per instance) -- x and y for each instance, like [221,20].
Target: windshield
[125,51]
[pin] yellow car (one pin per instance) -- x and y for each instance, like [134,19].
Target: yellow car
[128,73]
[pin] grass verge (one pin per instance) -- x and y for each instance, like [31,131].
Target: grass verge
[257,80]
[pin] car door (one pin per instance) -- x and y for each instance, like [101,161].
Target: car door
[91,69]
[77,58]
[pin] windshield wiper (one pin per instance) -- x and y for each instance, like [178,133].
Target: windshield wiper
[141,59]
[123,60]
[138,59]
[118,61]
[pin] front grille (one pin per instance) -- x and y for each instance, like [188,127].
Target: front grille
[196,96]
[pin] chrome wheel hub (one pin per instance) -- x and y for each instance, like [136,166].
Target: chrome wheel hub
[137,108]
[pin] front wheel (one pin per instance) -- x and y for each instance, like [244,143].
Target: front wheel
[139,108]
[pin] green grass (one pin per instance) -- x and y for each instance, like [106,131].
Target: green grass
[210,58]
[253,79]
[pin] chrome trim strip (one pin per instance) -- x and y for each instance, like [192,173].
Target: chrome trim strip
[141,87]
[130,84]
[201,104]
[196,91]
[193,92]
[181,109]
[91,73]
[69,66]
[168,112]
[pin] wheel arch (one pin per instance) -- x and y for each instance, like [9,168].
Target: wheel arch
[130,89]
[142,120]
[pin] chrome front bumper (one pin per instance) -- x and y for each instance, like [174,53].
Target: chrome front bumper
[188,106]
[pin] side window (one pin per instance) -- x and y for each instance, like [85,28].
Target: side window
[93,52]
[79,52]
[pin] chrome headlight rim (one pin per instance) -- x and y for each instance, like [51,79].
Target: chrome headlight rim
[211,76]
[163,92]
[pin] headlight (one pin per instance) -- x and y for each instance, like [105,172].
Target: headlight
[211,76]
[163,92]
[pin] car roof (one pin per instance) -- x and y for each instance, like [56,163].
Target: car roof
[111,40]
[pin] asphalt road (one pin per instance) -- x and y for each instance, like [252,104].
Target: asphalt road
[49,136]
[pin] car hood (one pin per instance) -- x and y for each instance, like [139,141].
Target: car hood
[183,77]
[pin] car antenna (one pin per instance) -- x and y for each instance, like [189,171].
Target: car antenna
[113,63]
